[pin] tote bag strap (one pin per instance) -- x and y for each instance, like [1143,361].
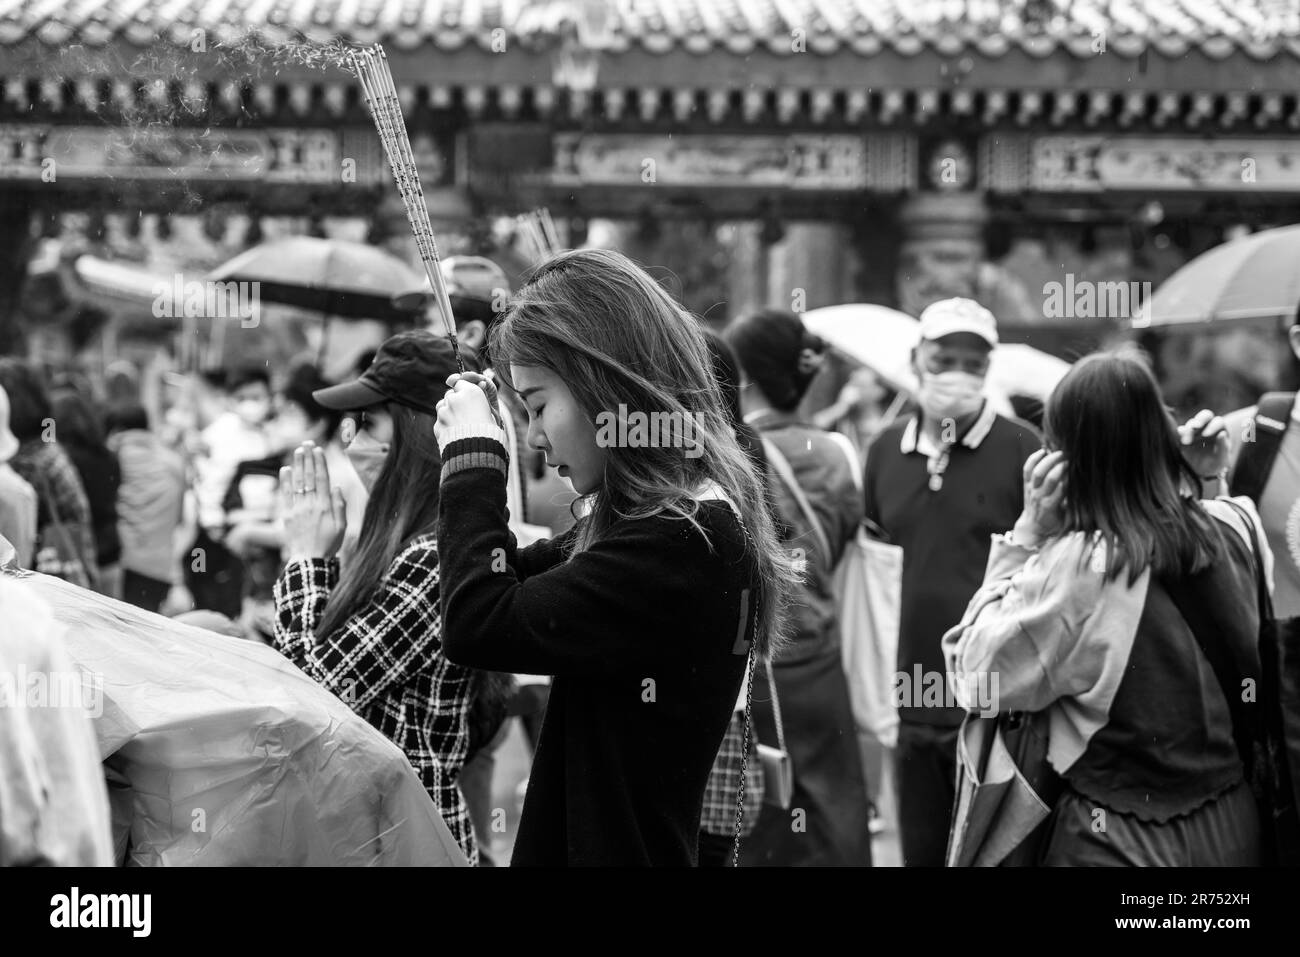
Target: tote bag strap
[782,467]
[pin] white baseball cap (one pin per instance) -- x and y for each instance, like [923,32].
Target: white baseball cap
[949,316]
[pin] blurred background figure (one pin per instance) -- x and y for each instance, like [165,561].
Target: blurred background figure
[859,412]
[1264,462]
[256,529]
[18,504]
[82,436]
[150,504]
[215,575]
[779,359]
[65,534]
[121,383]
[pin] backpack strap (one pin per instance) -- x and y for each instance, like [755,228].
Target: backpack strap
[851,454]
[1255,462]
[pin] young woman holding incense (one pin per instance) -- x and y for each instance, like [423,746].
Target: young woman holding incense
[647,611]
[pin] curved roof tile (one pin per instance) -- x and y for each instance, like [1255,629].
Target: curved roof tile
[1219,28]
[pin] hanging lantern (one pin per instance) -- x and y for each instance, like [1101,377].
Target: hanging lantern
[214,224]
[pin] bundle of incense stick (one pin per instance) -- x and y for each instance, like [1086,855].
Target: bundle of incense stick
[538,229]
[526,227]
[371,68]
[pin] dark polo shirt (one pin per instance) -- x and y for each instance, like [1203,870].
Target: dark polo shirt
[944,532]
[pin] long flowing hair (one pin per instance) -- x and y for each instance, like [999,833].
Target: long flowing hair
[599,322]
[402,506]
[1125,473]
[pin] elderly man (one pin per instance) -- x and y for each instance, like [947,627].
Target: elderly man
[940,484]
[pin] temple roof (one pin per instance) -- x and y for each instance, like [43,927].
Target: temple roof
[991,28]
[1154,64]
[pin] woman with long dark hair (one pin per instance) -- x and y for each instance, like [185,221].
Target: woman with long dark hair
[1104,607]
[811,472]
[648,610]
[373,635]
[82,435]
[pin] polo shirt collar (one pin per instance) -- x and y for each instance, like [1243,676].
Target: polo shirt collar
[914,440]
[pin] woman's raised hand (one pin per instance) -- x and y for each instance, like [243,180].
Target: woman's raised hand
[471,401]
[1205,444]
[1044,509]
[314,514]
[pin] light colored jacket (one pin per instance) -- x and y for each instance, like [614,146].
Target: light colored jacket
[18,510]
[149,503]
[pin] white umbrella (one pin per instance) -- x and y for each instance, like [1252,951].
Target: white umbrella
[1019,369]
[878,337]
[882,339]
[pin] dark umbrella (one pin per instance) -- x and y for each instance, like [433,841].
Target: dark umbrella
[330,276]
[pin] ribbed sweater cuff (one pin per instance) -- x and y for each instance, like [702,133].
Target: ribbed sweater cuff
[475,448]
[471,431]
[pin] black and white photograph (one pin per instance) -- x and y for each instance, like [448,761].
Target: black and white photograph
[624,434]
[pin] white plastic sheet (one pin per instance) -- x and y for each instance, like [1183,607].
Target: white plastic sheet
[53,805]
[219,751]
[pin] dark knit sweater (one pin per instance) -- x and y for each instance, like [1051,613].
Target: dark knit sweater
[646,636]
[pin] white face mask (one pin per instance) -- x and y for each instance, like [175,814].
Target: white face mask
[288,429]
[367,457]
[253,411]
[950,395]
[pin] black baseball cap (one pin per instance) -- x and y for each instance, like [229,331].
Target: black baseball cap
[410,369]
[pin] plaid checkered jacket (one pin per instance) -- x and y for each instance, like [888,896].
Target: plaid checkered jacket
[46,466]
[387,664]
